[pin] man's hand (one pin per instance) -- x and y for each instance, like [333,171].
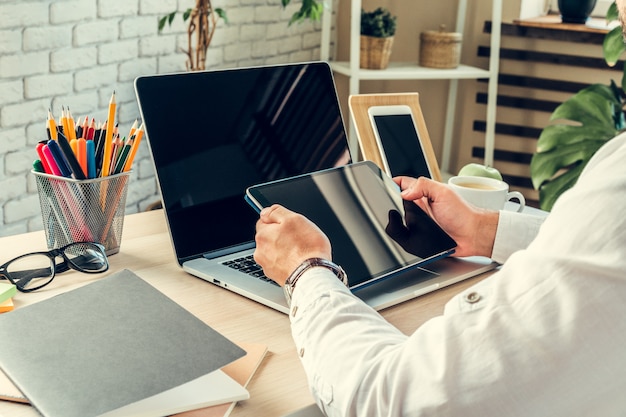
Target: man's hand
[284,240]
[473,229]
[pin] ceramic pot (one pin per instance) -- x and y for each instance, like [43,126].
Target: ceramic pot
[576,11]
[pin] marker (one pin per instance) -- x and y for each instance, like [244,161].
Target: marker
[38,166]
[70,158]
[81,153]
[52,163]
[42,157]
[91,159]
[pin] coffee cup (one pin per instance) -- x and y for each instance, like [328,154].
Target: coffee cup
[485,192]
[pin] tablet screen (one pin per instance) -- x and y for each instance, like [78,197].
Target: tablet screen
[373,232]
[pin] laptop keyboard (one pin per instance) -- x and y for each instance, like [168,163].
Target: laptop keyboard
[247,265]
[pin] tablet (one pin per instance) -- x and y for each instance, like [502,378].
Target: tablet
[398,141]
[373,232]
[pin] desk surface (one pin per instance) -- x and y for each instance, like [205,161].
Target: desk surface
[279,386]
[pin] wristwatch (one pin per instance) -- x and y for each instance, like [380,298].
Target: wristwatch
[290,283]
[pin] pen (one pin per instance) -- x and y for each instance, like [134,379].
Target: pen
[70,157]
[106,158]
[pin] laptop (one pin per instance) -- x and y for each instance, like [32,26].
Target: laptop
[213,134]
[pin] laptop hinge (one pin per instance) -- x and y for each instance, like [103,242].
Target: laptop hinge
[229,250]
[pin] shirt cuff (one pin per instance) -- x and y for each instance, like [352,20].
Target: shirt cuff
[515,231]
[313,283]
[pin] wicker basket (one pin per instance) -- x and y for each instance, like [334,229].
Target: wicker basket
[440,49]
[375,52]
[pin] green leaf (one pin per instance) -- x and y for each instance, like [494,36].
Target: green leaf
[162,22]
[589,106]
[613,46]
[554,136]
[222,14]
[551,191]
[544,165]
[581,125]
[186,15]
[611,13]
[170,18]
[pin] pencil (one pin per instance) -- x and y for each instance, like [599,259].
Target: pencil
[52,126]
[108,139]
[133,149]
[71,126]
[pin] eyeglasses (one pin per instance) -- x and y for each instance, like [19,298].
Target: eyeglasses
[35,270]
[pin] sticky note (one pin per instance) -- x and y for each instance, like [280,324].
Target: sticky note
[6,305]
[7,290]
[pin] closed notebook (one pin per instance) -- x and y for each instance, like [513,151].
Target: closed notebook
[241,371]
[111,344]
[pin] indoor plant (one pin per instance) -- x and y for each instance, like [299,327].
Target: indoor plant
[203,21]
[582,124]
[377,32]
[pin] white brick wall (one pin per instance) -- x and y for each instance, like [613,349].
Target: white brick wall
[75,53]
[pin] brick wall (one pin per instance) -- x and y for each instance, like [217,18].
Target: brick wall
[75,53]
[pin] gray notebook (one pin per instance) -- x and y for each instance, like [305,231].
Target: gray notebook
[111,344]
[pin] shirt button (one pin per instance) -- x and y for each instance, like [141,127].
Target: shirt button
[301,352]
[472,297]
[294,310]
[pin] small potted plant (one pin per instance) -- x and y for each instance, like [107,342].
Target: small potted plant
[377,31]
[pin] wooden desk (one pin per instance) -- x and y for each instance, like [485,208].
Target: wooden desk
[279,386]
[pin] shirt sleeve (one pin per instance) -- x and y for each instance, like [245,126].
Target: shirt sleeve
[515,231]
[542,336]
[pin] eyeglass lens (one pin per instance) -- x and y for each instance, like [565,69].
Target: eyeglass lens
[31,271]
[86,257]
[35,270]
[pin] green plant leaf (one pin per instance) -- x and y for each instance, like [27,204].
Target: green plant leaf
[162,22]
[582,124]
[613,46]
[186,14]
[551,191]
[611,13]
[544,165]
[222,14]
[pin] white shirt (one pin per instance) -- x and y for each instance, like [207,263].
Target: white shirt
[544,336]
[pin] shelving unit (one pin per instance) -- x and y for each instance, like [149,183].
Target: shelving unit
[412,71]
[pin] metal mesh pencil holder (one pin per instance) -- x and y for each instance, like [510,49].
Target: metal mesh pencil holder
[83,210]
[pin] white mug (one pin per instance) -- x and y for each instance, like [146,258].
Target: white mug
[484,192]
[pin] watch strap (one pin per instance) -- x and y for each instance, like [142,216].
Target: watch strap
[292,280]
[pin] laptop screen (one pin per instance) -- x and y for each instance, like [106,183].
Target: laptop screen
[212,134]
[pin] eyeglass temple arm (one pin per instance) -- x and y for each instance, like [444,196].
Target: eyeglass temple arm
[23,278]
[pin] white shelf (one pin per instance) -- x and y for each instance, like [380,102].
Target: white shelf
[412,71]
